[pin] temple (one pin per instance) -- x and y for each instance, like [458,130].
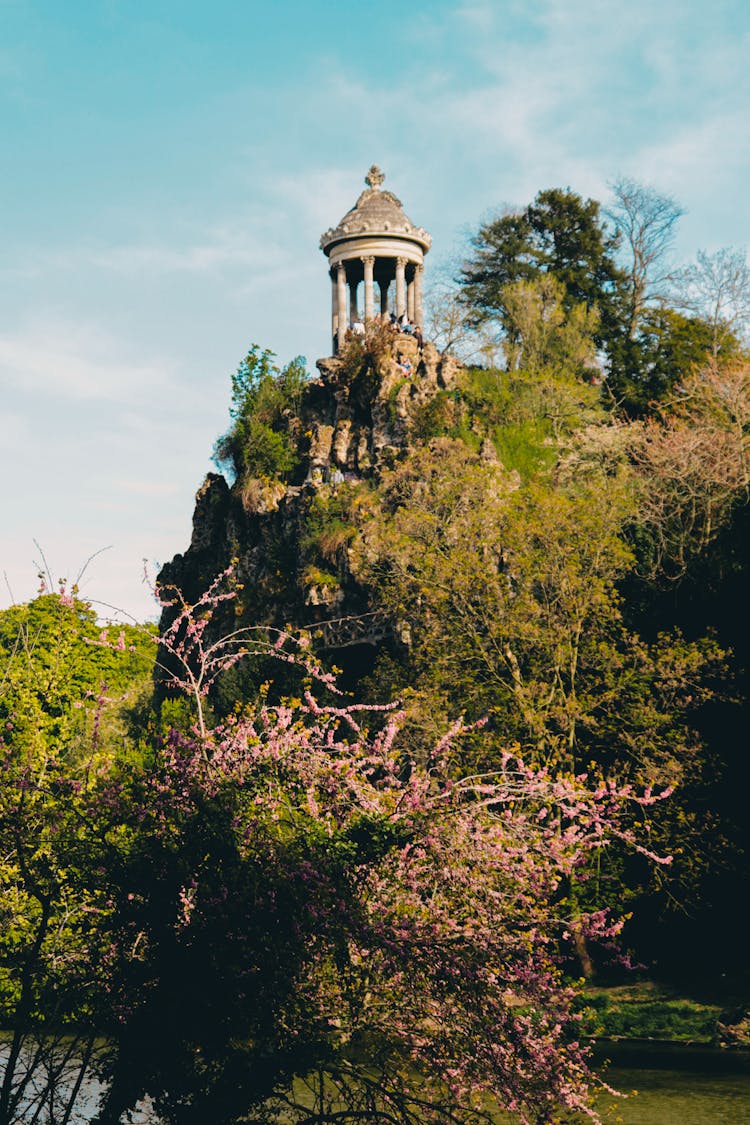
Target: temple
[375,242]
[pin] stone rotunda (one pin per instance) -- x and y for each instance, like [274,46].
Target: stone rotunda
[375,242]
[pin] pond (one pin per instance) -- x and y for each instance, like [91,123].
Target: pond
[665,1084]
[685,1087]
[669,1097]
[678,1097]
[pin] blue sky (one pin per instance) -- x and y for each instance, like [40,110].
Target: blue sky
[169,167]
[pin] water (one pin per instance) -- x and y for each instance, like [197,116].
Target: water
[700,1093]
[678,1097]
[667,1097]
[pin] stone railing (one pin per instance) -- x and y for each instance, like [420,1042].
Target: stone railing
[343,632]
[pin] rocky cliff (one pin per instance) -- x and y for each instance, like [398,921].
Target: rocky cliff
[289,540]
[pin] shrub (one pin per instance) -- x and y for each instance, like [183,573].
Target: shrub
[258,442]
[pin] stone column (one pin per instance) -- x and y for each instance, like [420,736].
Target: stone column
[400,287]
[410,300]
[341,304]
[418,310]
[368,263]
[384,287]
[353,310]
[334,311]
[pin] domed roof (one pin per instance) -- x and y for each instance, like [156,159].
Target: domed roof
[376,212]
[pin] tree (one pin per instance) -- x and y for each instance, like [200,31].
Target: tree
[284,919]
[618,277]
[58,661]
[365,936]
[451,325]
[513,598]
[694,466]
[358,941]
[542,336]
[512,595]
[646,221]
[559,234]
[643,373]
[64,689]
[717,289]
[53,967]
[258,443]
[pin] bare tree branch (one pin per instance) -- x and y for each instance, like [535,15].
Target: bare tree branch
[646,220]
[717,288]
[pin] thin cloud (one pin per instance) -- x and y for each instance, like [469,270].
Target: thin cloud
[66,361]
[14,431]
[148,487]
[232,246]
[228,248]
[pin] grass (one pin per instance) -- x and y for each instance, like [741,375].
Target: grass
[647,1011]
[524,446]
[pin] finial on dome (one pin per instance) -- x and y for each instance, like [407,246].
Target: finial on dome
[374,177]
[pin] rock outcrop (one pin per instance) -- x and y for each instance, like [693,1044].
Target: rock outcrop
[357,418]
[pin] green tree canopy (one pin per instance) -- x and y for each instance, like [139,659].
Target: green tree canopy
[559,234]
[60,666]
[512,595]
[258,443]
[67,684]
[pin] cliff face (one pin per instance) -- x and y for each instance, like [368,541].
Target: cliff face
[289,540]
